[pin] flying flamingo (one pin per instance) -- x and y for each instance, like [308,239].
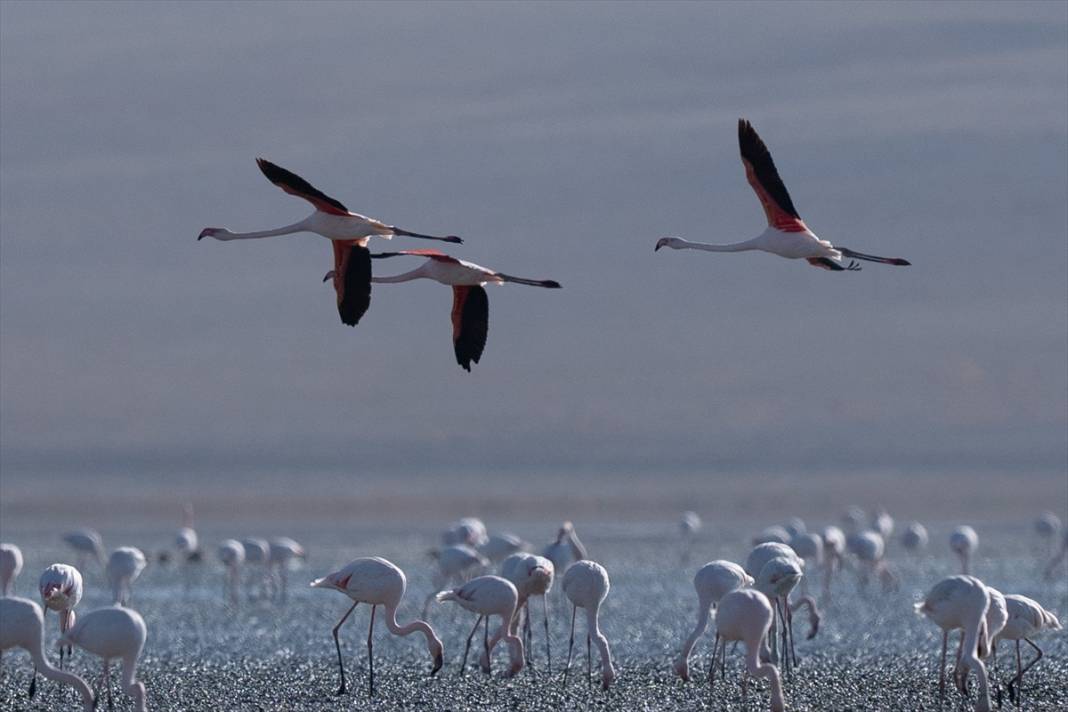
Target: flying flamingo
[257,552]
[470,305]
[110,633]
[10,567]
[1026,619]
[586,586]
[532,576]
[124,566]
[232,556]
[87,544]
[349,233]
[689,525]
[960,602]
[786,235]
[746,615]
[914,538]
[964,541]
[381,583]
[712,582]
[489,596]
[282,554]
[22,626]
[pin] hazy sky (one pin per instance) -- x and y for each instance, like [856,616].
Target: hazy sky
[560,141]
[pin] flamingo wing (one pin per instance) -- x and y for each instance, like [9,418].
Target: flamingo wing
[470,324]
[352,280]
[295,185]
[764,178]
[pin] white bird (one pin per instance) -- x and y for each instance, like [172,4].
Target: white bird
[232,555]
[712,582]
[499,547]
[10,567]
[470,304]
[809,547]
[960,602]
[763,553]
[786,234]
[283,554]
[379,582]
[964,541]
[914,538]
[114,633]
[795,526]
[567,548]
[489,596]
[853,519]
[124,566]
[774,534]
[1048,526]
[470,531]
[870,549]
[454,564]
[257,553]
[586,585]
[22,626]
[61,589]
[745,615]
[87,544]
[185,541]
[834,542]
[1026,619]
[532,576]
[348,232]
[777,579]
[689,525]
[882,522]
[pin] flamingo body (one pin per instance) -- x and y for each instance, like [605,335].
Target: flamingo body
[490,596]
[124,566]
[712,582]
[586,585]
[114,633]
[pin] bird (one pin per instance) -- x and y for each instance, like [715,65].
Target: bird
[489,596]
[566,549]
[914,538]
[1047,527]
[1058,558]
[870,548]
[470,305]
[960,602]
[110,633]
[87,544]
[689,525]
[10,567]
[834,542]
[124,566]
[232,555]
[281,555]
[882,522]
[964,541]
[745,615]
[349,233]
[468,530]
[379,582]
[532,576]
[454,564]
[61,590]
[712,582]
[22,626]
[786,235]
[498,547]
[809,546]
[586,586]
[185,541]
[778,578]
[257,552]
[1026,619]
[795,526]
[774,534]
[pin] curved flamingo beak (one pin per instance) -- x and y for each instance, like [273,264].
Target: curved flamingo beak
[439,660]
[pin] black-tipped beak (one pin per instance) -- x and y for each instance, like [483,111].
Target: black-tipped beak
[439,660]
[455,240]
[657,248]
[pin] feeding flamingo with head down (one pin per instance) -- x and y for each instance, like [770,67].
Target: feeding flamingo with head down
[746,615]
[786,234]
[712,582]
[489,596]
[348,231]
[111,633]
[586,586]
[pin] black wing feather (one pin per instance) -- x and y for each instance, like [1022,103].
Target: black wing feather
[757,154]
[474,326]
[357,289]
[287,179]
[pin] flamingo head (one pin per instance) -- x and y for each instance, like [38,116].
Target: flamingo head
[672,242]
[212,232]
[438,654]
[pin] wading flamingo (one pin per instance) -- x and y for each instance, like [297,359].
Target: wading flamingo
[111,633]
[87,544]
[712,582]
[378,582]
[809,546]
[777,580]
[960,602]
[499,547]
[689,525]
[232,555]
[470,305]
[566,550]
[834,546]
[1026,619]
[10,567]
[257,553]
[349,233]
[746,615]
[22,626]
[470,531]
[489,596]
[964,541]
[61,590]
[586,586]
[532,576]
[1047,527]
[455,564]
[914,538]
[870,549]
[283,553]
[774,534]
[124,566]
[786,234]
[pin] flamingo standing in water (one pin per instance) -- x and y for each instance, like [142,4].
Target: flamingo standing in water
[1048,526]
[10,567]
[257,553]
[532,576]
[22,626]
[809,546]
[470,305]
[786,234]
[960,602]
[470,531]
[232,556]
[586,586]
[689,525]
[499,547]
[566,549]
[124,566]
[349,233]
[111,633]
[87,544]
[1026,619]
[455,564]
[379,582]
[489,596]
[914,538]
[746,615]
[964,541]
[61,589]
[712,582]
[283,554]
[834,544]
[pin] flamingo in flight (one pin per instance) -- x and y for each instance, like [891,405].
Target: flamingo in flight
[348,231]
[470,305]
[787,235]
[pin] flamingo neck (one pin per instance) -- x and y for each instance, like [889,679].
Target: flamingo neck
[743,246]
[413,627]
[284,230]
[45,668]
